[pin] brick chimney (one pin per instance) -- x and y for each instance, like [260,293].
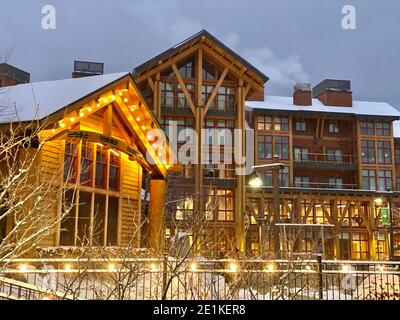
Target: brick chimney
[302,94]
[334,93]
[87,69]
[11,76]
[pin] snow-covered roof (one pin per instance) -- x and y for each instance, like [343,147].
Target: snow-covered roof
[361,108]
[50,96]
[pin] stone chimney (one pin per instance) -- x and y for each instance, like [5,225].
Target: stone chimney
[11,76]
[87,69]
[334,93]
[302,94]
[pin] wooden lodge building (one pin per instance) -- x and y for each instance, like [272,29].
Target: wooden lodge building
[341,157]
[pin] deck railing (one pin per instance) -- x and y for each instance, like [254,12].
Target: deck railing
[145,279]
[324,158]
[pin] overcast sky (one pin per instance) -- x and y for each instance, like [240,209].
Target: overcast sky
[289,40]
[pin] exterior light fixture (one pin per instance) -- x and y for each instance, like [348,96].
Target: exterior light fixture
[111,267]
[23,267]
[53,130]
[62,124]
[90,109]
[255,181]
[125,100]
[153,267]
[72,119]
[120,94]
[81,114]
[97,104]
[308,268]
[378,201]
[233,267]
[138,119]
[271,268]
[346,268]
[112,97]
[193,266]
[67,267]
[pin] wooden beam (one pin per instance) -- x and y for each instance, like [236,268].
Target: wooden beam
[182,55]
[200,78]
[215,91]
[151,83]
[183,86]
[233,69]
[107,120]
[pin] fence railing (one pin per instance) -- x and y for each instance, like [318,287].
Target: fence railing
[153,279]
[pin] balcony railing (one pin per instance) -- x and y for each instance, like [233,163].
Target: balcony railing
[324,159]
[324,185]
[219,171]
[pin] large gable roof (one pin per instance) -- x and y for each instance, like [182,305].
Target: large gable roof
[190,41]
[36,101]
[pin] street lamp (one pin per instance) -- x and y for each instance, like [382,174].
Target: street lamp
[256,182]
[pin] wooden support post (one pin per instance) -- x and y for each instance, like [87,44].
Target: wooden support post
[275,208]
[240,188]
[156,215]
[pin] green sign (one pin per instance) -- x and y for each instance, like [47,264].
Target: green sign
[385,216]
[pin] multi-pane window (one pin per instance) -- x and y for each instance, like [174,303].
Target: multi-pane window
[167,94]
[384,152]
[334,155]
[384,180]
[368,151]
[367,128]
[333,126]
[98,165]
[382,129]
[226,98]
[360,246]
[264,123]
[264,147]
[101,167]
[282,147]
[266,177]
[301,126]
[397,155]
[70,161]
[76,229]
[301,154]
[369,179]
[114,170]
[220,205]
[187,70]
[335,183]
[174,126]
[223,101]
[268,123]
[209,71]
[281,124]
[86,163]
[184,209]
[302,182]
[172,95]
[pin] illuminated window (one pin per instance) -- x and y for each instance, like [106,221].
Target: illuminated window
[360,247]
[281,124]
[264,123]
[184,209]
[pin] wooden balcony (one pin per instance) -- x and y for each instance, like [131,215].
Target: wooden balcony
[324,161]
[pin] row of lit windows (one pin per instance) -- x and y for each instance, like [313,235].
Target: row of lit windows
[219,205]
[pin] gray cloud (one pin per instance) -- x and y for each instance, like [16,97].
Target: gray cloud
[288,40]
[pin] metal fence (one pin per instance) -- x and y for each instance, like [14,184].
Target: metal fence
[171,279]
